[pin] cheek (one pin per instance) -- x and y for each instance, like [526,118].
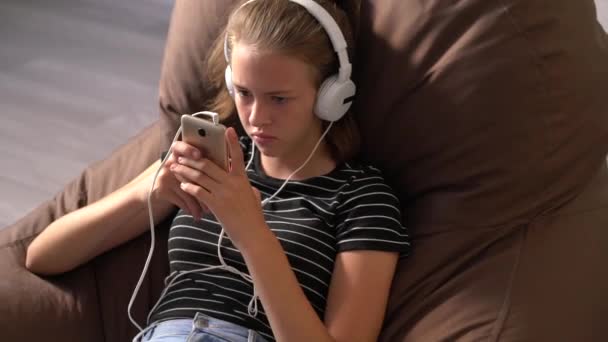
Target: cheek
[304,118]
[242,112]
[244,122]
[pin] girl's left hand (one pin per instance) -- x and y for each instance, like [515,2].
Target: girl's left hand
[228,194]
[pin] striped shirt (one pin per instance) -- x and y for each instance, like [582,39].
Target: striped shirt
[350,208]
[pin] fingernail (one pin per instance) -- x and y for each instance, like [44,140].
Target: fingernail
[180,160]
[182,185]
[173,166]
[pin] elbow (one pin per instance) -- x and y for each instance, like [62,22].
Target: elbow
[36,263]
[32,262]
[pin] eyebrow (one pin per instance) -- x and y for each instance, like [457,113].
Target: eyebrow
[275,92]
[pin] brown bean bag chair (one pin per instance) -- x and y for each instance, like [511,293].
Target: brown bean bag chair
[490,118]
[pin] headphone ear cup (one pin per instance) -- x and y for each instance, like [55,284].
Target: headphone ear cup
[334,98]
[228,79]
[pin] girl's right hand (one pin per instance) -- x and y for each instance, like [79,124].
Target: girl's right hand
[167,186]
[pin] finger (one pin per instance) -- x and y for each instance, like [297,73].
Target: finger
[171,160]
[190,175]
[190,204]
[175,199]
[198,192]
[168,188]
[181,148]
[207,166]
[181,179]
[236,154]
[171,182]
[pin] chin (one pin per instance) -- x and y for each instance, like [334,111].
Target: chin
[267,151]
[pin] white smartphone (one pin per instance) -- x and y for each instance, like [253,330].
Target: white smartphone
[208,137]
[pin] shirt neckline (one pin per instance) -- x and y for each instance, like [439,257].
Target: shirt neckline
[259,171]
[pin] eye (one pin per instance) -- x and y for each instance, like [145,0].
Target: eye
[279,99]
[243,93]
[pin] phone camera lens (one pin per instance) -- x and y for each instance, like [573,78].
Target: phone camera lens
[202,132]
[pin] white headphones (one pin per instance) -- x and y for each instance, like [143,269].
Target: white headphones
[337,92]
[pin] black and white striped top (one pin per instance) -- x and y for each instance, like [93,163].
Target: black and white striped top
[350,208]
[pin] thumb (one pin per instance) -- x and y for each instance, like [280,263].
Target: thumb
[236,154]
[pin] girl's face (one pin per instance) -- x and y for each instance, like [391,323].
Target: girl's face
[275,96]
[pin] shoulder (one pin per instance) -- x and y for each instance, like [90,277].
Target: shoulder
[361,168]
[367,187]
[365,177]
[369,214]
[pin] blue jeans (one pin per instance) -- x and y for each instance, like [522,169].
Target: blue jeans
[201,329]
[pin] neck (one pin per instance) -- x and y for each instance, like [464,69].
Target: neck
[281,167]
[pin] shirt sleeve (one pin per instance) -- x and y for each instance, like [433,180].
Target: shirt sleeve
[369,216]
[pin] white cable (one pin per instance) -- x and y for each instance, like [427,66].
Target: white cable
[252,308]
[301,166]
[214,117]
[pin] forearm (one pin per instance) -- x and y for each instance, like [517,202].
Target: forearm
[291,315]
[85,233]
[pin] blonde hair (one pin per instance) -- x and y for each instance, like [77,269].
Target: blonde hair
[285,27]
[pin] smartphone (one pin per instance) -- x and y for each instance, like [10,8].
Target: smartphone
[208,137]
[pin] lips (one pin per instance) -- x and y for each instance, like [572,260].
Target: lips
[263,136]
[262,139]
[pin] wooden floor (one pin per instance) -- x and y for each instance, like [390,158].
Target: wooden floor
[77,78]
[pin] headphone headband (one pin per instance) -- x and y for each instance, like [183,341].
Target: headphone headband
[336,92]
[331,28]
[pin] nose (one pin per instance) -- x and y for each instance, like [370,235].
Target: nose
[259,115]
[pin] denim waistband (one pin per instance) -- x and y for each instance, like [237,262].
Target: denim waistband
[202,321]
[201,324]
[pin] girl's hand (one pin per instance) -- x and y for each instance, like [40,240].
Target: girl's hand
[228,194]
[167,186]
